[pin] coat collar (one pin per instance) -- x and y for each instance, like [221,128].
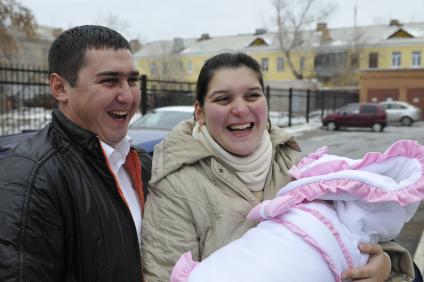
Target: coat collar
[180,148]
[85,140]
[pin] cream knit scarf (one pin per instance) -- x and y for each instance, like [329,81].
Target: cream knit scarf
[252,169]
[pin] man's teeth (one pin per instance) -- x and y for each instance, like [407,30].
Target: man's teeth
[118,114]
[240,126]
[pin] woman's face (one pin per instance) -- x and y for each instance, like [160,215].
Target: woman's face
[235,110]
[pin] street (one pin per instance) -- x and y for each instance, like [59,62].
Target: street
[354,143]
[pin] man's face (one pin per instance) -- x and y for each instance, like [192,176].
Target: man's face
[106,94]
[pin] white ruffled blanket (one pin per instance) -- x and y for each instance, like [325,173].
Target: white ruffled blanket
[311,230]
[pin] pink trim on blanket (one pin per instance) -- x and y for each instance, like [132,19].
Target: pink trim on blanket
[410,194]
[183,268]
[405,148]
[310,158]
[305,236]
[330,226]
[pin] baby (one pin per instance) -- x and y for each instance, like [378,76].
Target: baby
[311,230]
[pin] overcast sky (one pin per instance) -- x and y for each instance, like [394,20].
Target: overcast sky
[151,20]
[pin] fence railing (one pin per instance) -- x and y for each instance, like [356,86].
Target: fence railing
[26,103]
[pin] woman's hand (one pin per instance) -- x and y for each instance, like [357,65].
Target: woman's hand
[376,270]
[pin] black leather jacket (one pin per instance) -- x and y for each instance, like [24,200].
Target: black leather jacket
[61,216]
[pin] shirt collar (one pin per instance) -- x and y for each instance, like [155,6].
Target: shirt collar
[118,154]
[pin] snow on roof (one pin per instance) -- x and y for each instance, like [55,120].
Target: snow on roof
[339,38]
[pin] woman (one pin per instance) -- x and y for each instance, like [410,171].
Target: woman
[207,175]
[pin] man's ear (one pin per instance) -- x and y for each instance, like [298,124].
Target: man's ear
[198,113]
[58,88]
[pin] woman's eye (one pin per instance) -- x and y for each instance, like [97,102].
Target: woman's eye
[253,95]
[222,100]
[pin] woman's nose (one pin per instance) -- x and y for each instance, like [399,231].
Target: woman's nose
[240,108]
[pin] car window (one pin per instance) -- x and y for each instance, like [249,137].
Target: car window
[350,109]
[395,106]
[369,109]
[160,120]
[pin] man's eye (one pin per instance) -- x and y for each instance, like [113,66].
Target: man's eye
[109,81]
[133,81]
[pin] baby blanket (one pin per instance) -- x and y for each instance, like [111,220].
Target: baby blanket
[311,230]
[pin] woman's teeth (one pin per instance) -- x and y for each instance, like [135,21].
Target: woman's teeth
[240,126]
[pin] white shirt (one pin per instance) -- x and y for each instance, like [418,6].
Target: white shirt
[116,157]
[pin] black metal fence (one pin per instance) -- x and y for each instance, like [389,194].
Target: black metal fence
[25,100]
[26,103]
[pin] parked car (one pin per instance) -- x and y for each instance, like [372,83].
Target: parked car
[151,128]
[357,115]
[146,131]
[401,112]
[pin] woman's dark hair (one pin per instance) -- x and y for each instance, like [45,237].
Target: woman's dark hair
[224,60]
[66,55]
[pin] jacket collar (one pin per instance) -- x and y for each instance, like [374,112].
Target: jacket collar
[84,139]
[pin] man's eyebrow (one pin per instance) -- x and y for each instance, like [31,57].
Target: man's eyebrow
[117,73]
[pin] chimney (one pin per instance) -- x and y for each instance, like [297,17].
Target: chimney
[321,26]
[394,22]
[325,32]
[204,36]
[177,45]
[135,45]
[260,31]
[56,32]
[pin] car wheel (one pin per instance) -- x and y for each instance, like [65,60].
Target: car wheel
[377,127]
[406,121]
[332,126]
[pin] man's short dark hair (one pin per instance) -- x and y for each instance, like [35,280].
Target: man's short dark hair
[66,55]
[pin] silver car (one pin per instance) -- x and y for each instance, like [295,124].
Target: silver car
[401,112]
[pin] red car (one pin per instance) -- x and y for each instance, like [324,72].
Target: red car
[357,115]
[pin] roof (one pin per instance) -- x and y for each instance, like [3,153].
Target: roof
[339,38]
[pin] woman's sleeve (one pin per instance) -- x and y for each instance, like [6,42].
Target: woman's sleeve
[402,263]
[168,230]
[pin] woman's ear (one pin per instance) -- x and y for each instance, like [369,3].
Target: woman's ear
[198,113]
[58,88]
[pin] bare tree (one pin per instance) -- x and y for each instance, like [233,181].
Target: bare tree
[14,16]
[293,18]
[113,21]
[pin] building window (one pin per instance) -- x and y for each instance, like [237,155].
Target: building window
[373,60]
[164,68]
[354,60]
[302,64]
[416,58]
[189,67]
[153,69]
[280,64]
[265,64]
[180,66]
[396,59]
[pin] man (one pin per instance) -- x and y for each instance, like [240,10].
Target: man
[71,197]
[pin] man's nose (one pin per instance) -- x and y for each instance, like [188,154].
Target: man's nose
[125,92]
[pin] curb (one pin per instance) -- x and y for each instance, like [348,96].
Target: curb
[419,253]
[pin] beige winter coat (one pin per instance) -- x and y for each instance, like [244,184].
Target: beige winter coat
[197,204]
